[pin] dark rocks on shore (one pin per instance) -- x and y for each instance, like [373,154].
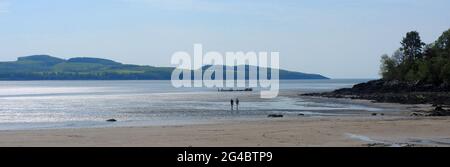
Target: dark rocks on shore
[417,114]
[384,86]
[301,114]
[394,92]
[111,120]
[376,114]
[275,116]
[384,91]
[439,111]
[389,145]
[236,90]
[377,145]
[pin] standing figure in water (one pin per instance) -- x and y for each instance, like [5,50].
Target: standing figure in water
[232,104]
[237,104]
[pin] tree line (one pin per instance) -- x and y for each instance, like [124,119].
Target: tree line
[418,62]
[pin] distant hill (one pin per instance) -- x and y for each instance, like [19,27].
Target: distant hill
[45,67]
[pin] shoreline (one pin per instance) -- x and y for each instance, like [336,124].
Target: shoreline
[368,108]
[391,127]
[278,132]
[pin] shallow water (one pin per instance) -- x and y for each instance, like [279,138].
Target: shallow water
[74,104]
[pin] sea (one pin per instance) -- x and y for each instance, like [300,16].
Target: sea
[26,105]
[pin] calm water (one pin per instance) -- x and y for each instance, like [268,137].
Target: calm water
[73,104]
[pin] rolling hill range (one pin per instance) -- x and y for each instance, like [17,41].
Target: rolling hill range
[44,67]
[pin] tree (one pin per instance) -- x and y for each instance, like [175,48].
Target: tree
[415,61]
[445,73]
[429,51]
[443,44]
[412,46]
[424,71]
[388,66]
[398,57]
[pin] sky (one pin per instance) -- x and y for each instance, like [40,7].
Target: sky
[335,38]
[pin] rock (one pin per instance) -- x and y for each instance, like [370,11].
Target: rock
[374,114]
[415,115]
[377,145]
[439,111]
[439,108]
[275,116]
[111,120]
[301,114]
[389,145]
[421,114]
[402,92]
[382,114]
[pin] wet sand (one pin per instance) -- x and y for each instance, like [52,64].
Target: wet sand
[394,128]
[294,131]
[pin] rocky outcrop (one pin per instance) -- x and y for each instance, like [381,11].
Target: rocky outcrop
[394,92]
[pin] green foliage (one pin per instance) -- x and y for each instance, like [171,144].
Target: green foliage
[415,63]
[443,44]
[445,73]
[412,46]
[388,67]
[424,71]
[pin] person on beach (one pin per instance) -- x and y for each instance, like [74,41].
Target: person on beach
[232,103]
[237,104]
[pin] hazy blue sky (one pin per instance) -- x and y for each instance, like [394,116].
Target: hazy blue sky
[336,38]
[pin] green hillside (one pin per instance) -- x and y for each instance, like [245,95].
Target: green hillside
[45,67]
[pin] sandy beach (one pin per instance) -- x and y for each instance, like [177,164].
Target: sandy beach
[392,126]
[323,132]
